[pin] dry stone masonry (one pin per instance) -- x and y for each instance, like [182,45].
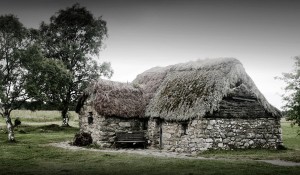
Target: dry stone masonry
[103,129]
[217,133]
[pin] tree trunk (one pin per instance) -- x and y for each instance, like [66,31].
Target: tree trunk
[10,128]
[65,116]
[65,107]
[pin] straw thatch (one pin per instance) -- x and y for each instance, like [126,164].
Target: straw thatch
[179,92]
[150,80]
[190,90]
[116,99]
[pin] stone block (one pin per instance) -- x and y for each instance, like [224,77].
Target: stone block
[166,135]
[218,140]
[192,145]
[233,122]
[250,135]
[258,136]
[262,141]
[271,140]
[220,145]
[124,124]
[230,134]
[194,123]
[209,140]
[199,140]
[209,127]
[226,140]
[251,142]
[222,135]
[212,122]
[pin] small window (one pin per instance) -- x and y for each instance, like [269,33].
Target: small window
[184,127]
[90,118]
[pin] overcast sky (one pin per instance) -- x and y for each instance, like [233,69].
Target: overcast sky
[264,34]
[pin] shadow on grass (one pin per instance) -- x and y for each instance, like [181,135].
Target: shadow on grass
[26,129]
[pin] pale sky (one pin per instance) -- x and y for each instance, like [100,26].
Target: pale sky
[263,34]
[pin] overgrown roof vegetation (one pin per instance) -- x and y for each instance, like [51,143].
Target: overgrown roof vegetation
[117,99]
[192,89]
[178,92]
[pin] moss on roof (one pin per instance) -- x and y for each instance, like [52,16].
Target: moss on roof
[192,89]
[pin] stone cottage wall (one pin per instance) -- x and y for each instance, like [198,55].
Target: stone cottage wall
[153,132]
[103,128]
[219,134]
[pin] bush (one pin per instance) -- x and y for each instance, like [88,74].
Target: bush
[82,139]
[17,122]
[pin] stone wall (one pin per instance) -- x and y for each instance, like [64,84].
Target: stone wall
[191,137]
[153,132]
[103,128]
[218,134]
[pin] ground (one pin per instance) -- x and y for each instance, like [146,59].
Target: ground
[37,151]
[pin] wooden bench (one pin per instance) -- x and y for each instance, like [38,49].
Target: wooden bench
[133,137]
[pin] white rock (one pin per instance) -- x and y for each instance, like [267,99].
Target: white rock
[209,140]
[124,124]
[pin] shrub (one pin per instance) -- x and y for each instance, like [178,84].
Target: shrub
[82,139]
[17,122]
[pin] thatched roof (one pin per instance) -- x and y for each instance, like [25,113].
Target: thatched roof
[150,80]
[116,99]
[177,92]
[189,90]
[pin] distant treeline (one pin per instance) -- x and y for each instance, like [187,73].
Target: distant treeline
[38,105]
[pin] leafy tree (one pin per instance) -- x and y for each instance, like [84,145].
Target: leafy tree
[73,36]
[25,75]
[12,73]
[45,78]
[292,96]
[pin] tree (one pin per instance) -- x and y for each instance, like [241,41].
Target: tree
[45,77]
[25,75]
[73,36]
[12,72]
[292,96]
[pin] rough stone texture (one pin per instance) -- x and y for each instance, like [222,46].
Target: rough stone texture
[198,135]
[218,133]
[103,129]
[154,133]
[229,128]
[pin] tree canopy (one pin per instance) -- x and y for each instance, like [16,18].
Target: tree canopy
[12,72]
[73,36]
[51,65]
[292,95]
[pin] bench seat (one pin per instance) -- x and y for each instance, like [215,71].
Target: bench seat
[130,137]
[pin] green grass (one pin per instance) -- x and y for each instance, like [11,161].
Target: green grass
[32,154]
[40,116]
[291,137]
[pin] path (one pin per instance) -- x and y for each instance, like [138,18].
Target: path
[160,153]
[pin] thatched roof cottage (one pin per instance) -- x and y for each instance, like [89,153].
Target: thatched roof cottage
[107,107]
[188,107]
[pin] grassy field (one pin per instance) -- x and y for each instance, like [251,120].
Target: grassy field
[41,116]
[31,154]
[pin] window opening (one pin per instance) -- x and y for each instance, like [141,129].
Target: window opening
[184,127]
[90,118]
